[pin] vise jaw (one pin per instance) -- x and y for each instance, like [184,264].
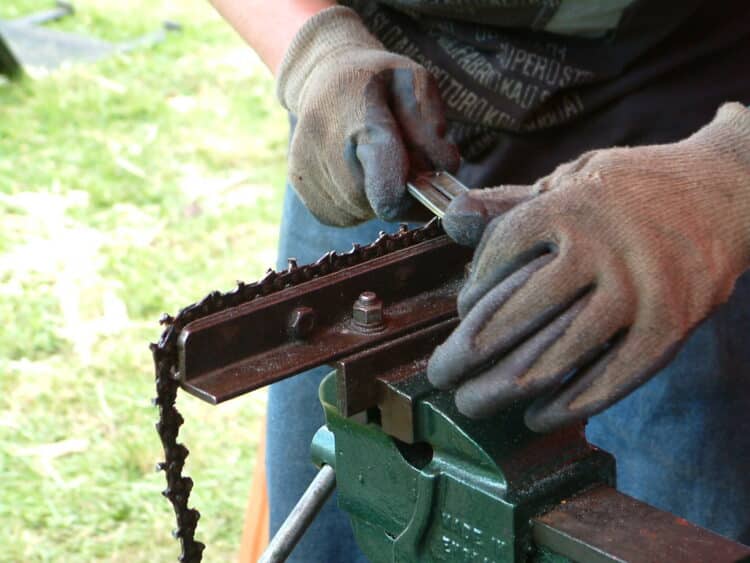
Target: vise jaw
[421,481]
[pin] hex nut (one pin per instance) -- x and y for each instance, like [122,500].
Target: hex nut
[301,322]
[367,312]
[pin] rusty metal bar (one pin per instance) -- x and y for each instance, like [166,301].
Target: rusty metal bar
[604,525]
[246,347]
[301,516]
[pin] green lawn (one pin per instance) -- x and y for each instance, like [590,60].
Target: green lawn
[127,188]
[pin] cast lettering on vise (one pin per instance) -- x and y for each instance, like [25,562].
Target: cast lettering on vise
[462,542]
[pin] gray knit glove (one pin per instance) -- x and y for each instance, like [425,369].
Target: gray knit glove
[366,119]
[595,275]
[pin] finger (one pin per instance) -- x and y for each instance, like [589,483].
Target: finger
[381,153]
[496,388]
[630,362]
[459,356]
[540,299]
[418,108]
[542,362]
[509,242]
[310,177]
[468,215]
[513,310]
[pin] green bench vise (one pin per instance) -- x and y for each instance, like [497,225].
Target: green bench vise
[450,488]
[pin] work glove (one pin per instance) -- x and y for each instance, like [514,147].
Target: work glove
[366,118]
[587,282]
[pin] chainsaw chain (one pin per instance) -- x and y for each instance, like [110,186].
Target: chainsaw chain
[165,355]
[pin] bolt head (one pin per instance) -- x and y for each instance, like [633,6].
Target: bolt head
[301,322]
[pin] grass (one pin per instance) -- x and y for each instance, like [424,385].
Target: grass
[128,188]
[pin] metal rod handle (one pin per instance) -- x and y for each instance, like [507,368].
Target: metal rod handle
[300,517]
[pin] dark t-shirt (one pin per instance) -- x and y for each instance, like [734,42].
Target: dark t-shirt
[527,65]
[590,18]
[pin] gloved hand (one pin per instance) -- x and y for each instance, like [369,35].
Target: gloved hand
[365,119]
[593,277]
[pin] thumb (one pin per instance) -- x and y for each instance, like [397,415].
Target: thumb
[469,214]
[416,104]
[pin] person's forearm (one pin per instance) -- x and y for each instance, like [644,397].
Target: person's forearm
[268,26]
